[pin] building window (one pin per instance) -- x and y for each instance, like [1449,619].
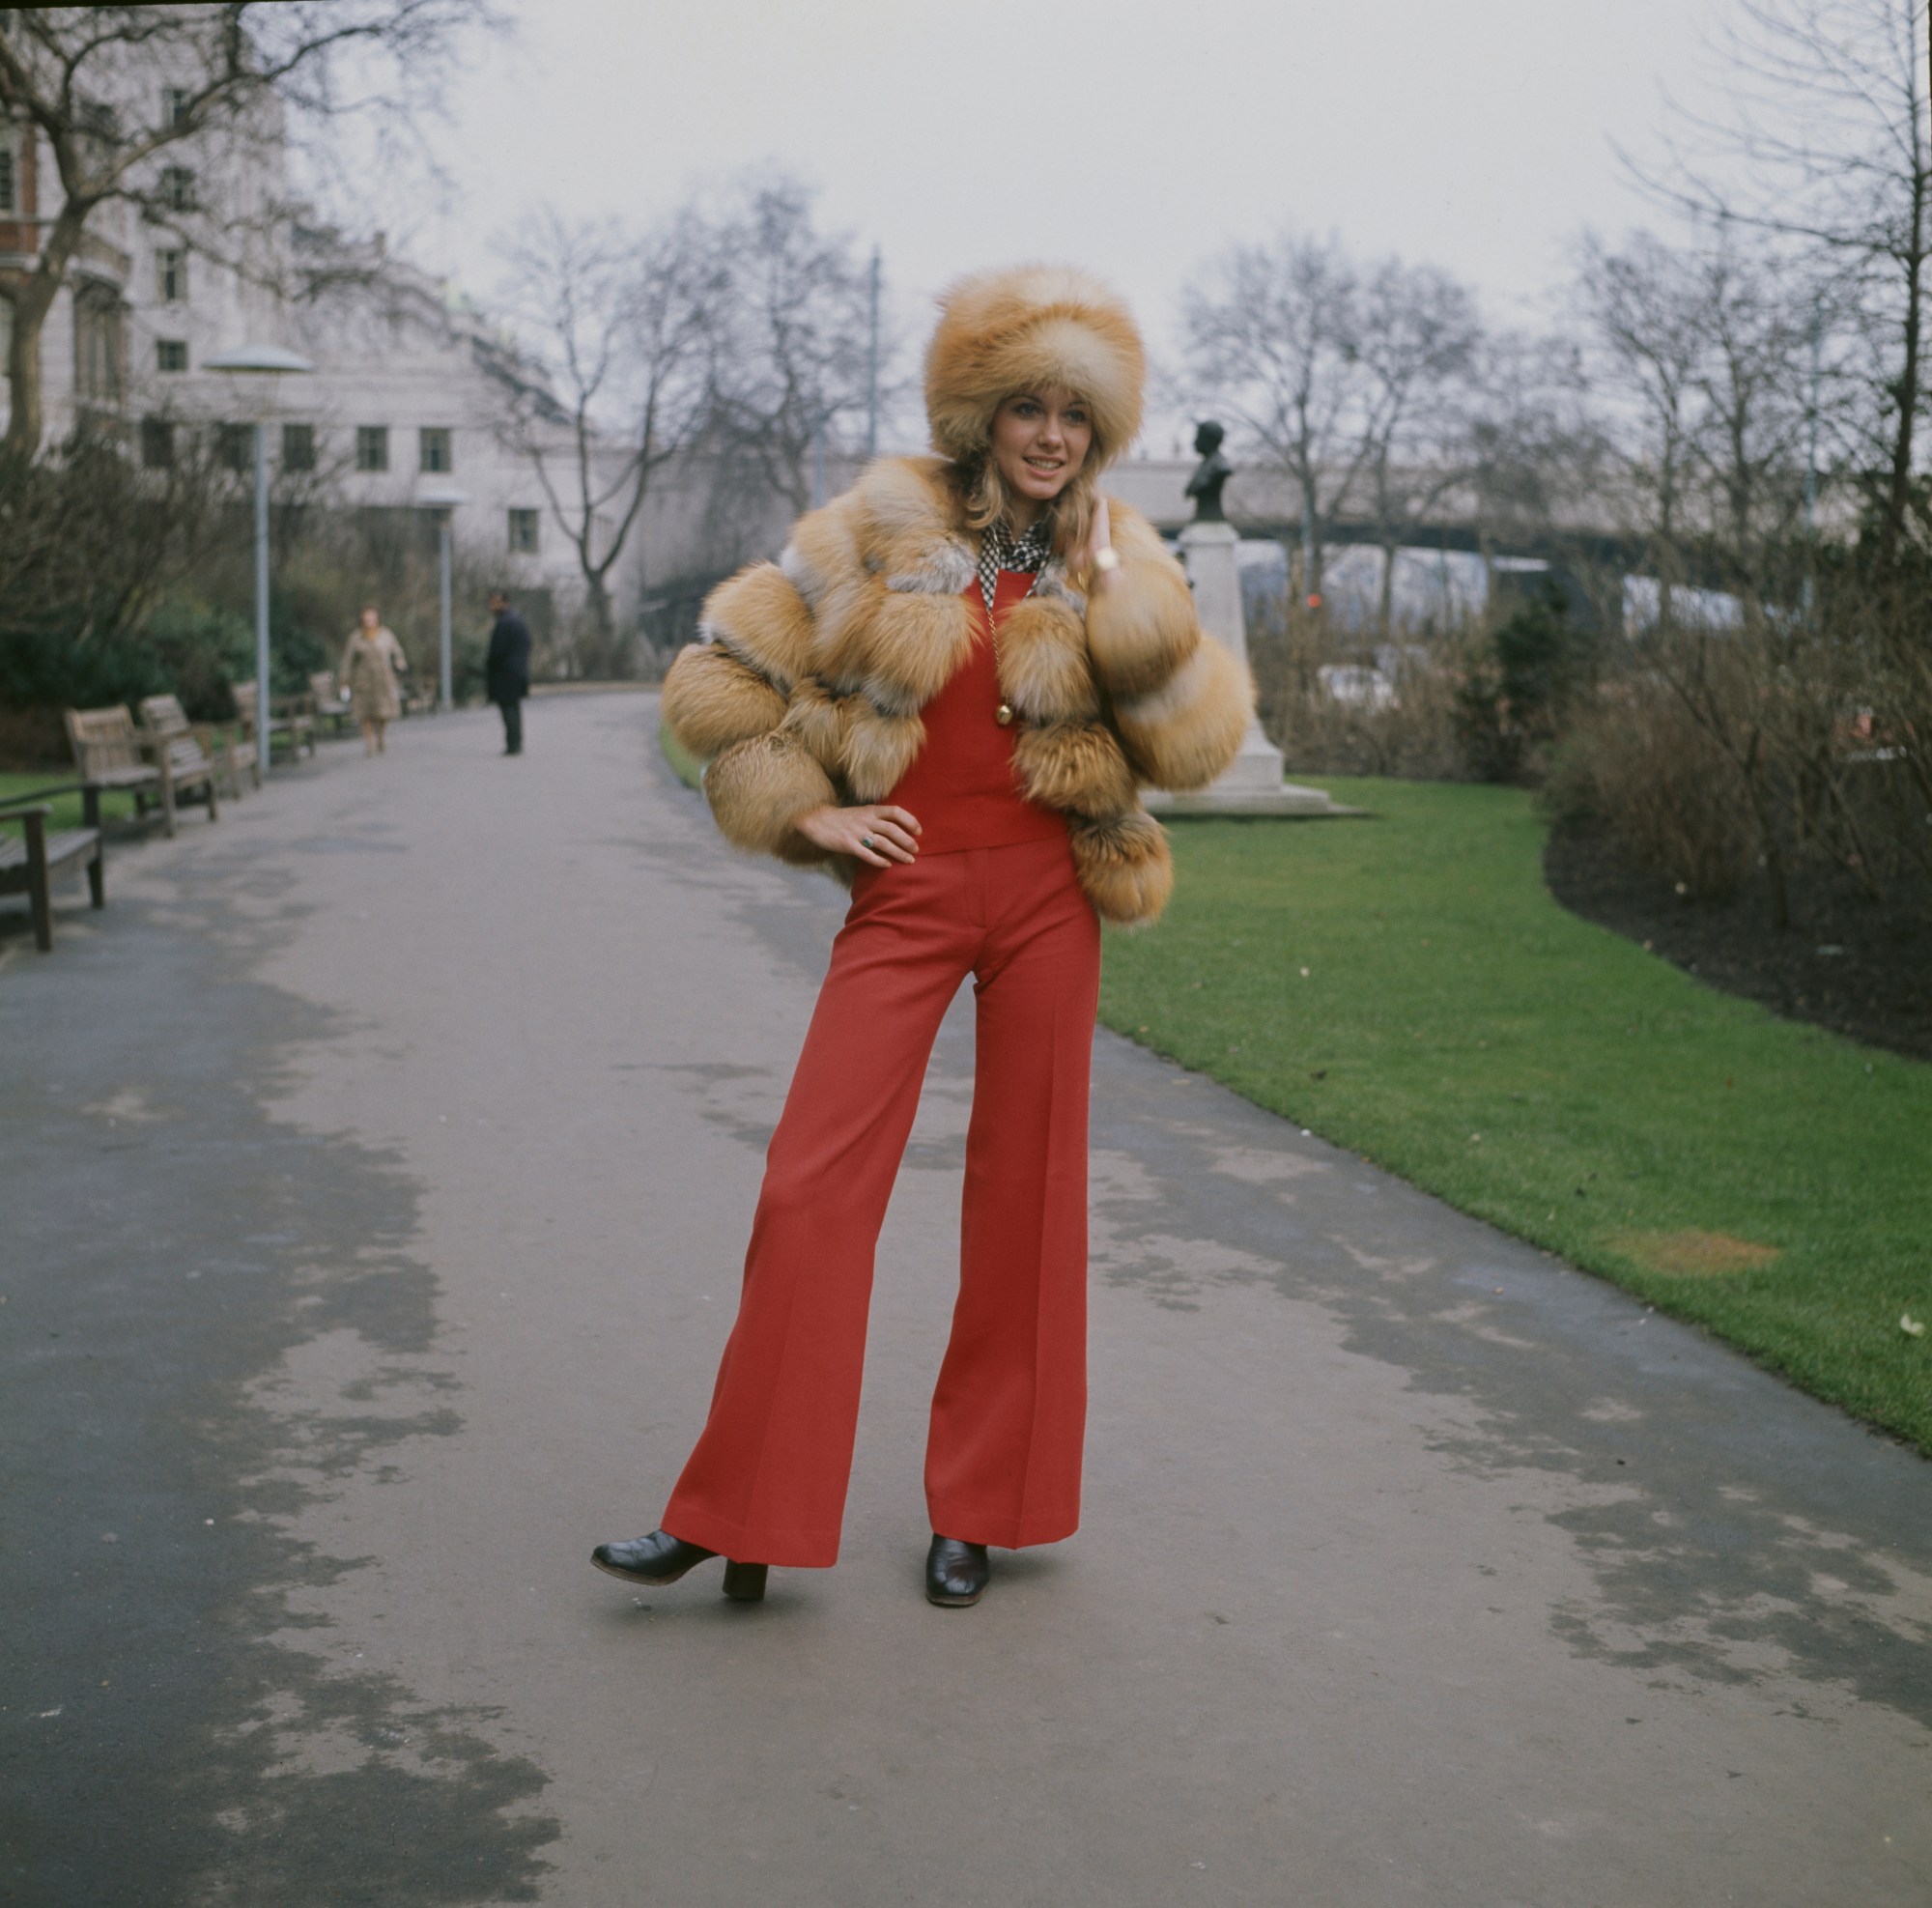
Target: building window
[99,345]
[9,191]
[372,446]
[171,274]
[524,531]
[235,445]
[157,443]
[174,105]
[177,188]
[297,446]
[170,354]
[436,451]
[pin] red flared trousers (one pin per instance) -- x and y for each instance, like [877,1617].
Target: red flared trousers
[767,1481]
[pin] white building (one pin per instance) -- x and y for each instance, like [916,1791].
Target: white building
[412,387]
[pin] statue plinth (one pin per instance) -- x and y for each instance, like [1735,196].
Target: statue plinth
[1253,783]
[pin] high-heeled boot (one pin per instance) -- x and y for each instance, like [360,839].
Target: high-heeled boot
[662,1559]
[956,1573]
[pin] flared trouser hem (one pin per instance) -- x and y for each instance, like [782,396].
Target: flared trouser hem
[767,1480]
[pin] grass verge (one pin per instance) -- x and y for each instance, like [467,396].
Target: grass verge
[1408,989]
[67,808]
[685,766]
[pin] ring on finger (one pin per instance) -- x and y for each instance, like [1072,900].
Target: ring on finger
[864,840]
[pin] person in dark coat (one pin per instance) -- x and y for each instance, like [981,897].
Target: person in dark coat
[506,676]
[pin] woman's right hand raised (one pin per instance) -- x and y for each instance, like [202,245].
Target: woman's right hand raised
[876,833]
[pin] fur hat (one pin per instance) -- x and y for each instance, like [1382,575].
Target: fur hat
[1020,330]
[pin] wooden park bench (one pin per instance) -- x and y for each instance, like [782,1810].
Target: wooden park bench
[182,752]
[28,861]
[331,703]
[107,751]
[291,719]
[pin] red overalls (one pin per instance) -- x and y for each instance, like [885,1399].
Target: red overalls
[992,893]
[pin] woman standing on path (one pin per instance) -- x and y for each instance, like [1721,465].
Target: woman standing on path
[370,664]
[951,685]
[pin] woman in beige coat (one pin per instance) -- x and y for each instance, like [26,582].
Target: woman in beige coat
[369,667]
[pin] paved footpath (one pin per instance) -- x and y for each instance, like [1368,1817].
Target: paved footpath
[374,1173]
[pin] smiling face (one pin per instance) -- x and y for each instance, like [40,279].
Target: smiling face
[1041,440]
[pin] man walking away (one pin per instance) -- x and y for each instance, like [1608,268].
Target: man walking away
[506,676]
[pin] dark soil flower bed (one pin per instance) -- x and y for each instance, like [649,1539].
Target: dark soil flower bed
[1862,970]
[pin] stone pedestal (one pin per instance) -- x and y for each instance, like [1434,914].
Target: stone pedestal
[1253,783]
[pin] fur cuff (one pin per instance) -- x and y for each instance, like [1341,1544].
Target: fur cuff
[1075,767]
[1124,866]
[1186,732]
[758,789]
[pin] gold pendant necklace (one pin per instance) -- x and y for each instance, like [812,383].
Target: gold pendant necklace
[1003,714]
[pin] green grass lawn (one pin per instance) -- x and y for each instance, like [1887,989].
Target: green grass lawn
[684,764]
[66,808]
[1408,989]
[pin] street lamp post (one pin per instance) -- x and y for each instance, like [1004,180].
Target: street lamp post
[261,362]
[442,502]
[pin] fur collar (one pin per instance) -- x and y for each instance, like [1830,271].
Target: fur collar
[883,570]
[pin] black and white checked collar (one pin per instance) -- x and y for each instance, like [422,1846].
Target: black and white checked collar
[1000,550]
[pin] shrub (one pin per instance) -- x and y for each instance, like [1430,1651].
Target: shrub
[1637,769]
[1516,688]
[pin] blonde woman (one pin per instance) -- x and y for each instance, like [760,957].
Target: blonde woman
[952,687]
[370,666]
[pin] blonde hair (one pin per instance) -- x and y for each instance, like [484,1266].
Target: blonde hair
[984,499]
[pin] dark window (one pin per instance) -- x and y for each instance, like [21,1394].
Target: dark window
[177,188]
[5,174]
[372,446]
[297,446]
[436,450]
[170,354]
[235,445]
[523,531]
[174,104]
[157,443]
[171,274]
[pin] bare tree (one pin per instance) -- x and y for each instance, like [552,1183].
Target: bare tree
[1417,340]
[1276,337]
[206,76]
[1758,402]
[792,347]
[625,326]
[1705,353]
[1536,447]
[1827,122]
[1644,306]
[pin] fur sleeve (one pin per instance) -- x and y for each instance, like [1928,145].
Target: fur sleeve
[1181,700]
[1185,733]
[1139,624]
[735,682]
[728,698]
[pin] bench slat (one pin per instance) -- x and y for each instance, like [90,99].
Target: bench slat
[68,845]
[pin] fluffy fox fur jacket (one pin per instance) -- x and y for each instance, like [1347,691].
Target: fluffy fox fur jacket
[808,681]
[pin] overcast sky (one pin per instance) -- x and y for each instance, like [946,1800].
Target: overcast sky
[1136,138]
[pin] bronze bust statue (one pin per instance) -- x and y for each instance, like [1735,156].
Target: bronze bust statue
[1212,471]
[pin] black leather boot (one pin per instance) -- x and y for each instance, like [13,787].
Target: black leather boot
[662,1559]
[659,1558]
[956,1573]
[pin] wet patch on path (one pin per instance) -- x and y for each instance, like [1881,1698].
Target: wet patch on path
[179,1727]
